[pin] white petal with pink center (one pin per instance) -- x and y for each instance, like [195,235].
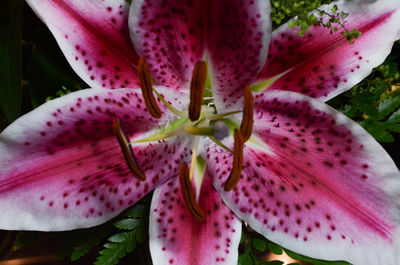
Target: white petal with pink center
[323,187]
[62,166]
[323,65]
[233,36]
[176,237]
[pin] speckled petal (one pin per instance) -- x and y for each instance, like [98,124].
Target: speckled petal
[170,37]
[323,65]
[177,238]
[94,37]
[315,182]
[239,33]
[62,167]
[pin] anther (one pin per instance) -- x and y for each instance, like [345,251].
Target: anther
[246,127]
[147,89]
[188,194]
[197,86]
[237,166]
[127,150]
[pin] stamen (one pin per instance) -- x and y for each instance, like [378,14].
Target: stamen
[237,162]
[127,150]
[197,86]
[188,194]
[147,89]
[194,156]
[246,127]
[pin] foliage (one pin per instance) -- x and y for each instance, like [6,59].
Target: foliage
[333,19]
[123,234]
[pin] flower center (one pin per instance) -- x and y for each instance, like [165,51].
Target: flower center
[203,122]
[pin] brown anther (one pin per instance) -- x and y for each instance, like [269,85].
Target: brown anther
[197,86]
[188,194]
[147,89]
[246,127]
[237,166]
[127,150]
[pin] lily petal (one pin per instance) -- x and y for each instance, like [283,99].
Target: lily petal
[94,37]
[323,65]
[170,37]
[315,182]
[176,237]
[62,167]
[173,37]
[239,33]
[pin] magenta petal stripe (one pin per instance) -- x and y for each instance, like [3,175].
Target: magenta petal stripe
[94,37]
[178,238]
[323,65]
[239,33]
[315,182]
[170,37]
[62,167]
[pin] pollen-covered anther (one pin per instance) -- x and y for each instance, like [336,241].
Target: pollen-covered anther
[188,194]
[246,127]
[237,166]
[127,151]
[147,89]
[197,86]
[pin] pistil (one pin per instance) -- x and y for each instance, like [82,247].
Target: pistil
[237,166]
[246,127]
[197,86]
[127,150]
[188,194]
[147,89]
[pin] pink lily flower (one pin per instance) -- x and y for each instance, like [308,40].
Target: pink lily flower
[311,179]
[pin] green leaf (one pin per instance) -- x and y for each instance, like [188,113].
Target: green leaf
[394,127]
[245,259]
[128,223]
[259,244]
[121,237]
[387,106]
[10,58]
[119,245]
[276,249]
[378,130]
[395,117]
